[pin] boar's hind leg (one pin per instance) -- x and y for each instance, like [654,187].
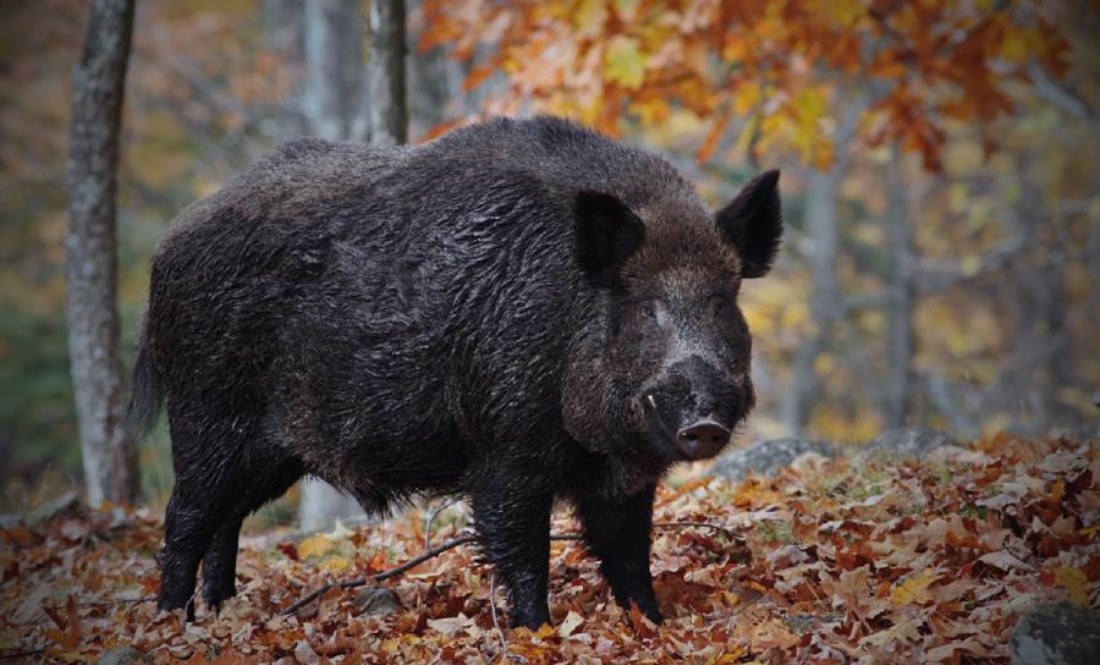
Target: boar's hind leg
[268,482]
[513,522]
[188,526]
[618,533]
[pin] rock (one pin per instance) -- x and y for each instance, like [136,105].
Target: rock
[123,656]
[767,457]
[378,601]
[1056,634]
[906,443]
[1083,434]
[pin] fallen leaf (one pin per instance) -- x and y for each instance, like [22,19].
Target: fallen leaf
[571,622]
[914,590]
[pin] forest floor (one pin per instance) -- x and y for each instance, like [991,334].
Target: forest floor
[924,561]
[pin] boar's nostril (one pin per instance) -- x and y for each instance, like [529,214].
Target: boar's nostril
[703,439]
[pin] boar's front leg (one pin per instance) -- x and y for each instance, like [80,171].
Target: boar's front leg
[512,516]
[618,533]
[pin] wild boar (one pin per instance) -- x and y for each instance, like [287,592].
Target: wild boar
[519,312]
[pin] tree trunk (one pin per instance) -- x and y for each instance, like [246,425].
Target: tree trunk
[282,28]
[283,33]
[434,78]
[333,43]
[821,227]
[900,344]
[826,304]
[110,460]
[388,103]
[333,102]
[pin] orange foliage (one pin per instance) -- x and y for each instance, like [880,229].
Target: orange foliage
[788,62]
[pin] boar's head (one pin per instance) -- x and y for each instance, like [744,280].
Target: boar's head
[660,371]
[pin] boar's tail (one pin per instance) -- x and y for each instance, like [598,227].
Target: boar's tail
[145,393]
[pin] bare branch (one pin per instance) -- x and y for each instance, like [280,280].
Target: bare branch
[939,276]
[21,654]
[1062,96]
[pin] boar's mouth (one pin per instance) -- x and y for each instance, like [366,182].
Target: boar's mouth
[702,439]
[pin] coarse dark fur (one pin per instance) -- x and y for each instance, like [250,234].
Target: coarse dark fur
[521,311]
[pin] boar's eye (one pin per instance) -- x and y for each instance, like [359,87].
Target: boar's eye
[653,313]
[719,305]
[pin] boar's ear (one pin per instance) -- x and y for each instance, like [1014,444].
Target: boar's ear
[753,223]
[606,231]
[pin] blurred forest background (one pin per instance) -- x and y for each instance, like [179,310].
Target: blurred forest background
[941,178]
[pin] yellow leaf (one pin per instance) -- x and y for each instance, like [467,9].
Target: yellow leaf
[1014,46]
[843,13]
[970,265]
[824,363]
[810,104]
[336,564]
[652,111]
[626,8]
[914,591]
[1073,580]
[318,545]
[624,63]
[746,97]
[590,15]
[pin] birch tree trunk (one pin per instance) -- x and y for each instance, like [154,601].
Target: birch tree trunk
[900,343]
[333,105]
[109,455]
[283,33]
[332,99]
[388,104]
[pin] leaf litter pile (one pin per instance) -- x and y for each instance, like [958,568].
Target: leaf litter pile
[832,562]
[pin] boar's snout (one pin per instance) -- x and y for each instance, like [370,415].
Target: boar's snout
[703,439]
[694,407]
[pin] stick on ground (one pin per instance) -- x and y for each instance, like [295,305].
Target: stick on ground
[450,545]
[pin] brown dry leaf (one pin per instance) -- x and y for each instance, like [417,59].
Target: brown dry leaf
[571,622]
[1005,562]
[951,652]
[772,634]
[452,625]
[813,574]
[229,656]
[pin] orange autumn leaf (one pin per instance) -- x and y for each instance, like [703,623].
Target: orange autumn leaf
[602,59]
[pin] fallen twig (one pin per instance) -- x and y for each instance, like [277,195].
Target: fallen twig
[393,572]
[116,601]
[4,655]
[430,517]
[493,609]
[698,525]
[450,545]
